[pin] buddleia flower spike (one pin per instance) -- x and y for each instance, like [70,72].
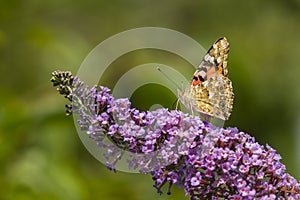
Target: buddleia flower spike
[234,167]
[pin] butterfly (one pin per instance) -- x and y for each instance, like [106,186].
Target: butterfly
[210,91]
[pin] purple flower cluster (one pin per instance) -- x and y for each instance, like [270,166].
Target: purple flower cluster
[177,148]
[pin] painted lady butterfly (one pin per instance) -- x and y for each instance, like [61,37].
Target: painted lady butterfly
[210,91]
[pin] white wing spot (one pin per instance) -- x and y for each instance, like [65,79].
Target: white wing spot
[206,57]
[202,73]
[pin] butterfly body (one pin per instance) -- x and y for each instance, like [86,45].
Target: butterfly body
[210,91]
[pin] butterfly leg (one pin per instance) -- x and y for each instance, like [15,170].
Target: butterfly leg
[191,109]
[177,104]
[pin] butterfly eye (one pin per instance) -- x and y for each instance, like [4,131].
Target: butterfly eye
[195,78]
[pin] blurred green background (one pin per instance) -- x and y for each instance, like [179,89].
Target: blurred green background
[41,155]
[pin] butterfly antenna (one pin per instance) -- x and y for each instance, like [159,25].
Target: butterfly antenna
[172,81]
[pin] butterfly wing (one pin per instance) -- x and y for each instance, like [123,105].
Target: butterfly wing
[213,63]
[210,92]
